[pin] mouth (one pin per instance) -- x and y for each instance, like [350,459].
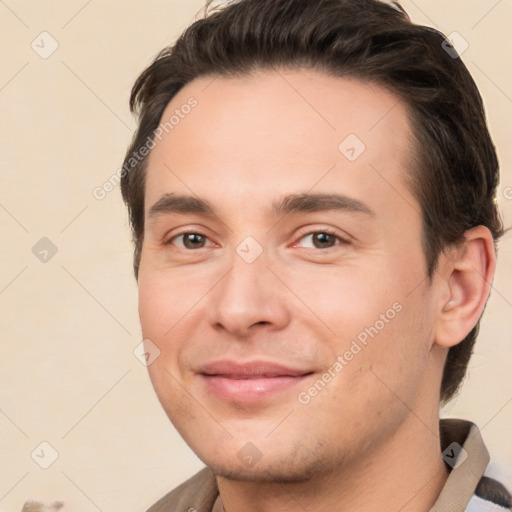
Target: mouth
[250,382]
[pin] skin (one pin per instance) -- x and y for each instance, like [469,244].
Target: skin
[368,440]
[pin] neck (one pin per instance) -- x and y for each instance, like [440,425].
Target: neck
[405,473]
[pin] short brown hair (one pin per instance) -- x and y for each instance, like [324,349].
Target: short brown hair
[455,175]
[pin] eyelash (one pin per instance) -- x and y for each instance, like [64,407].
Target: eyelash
[326,231]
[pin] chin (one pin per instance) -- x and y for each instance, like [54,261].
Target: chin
[279,475]
[294,466]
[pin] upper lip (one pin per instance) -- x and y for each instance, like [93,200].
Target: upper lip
[251,369]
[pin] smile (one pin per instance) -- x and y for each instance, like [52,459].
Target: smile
[250,382]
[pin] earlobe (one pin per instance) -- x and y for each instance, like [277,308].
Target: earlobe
[469,282]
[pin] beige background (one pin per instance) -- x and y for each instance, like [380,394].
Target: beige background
[68,375]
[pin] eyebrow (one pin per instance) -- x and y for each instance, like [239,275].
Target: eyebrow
[293,203]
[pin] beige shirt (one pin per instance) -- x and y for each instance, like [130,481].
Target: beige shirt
[466,488]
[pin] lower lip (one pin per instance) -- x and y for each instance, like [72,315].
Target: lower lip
[249,390]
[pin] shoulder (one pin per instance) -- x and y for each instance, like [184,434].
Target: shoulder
[490,496]
[197,494]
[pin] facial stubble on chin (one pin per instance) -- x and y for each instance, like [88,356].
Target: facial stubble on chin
[294,468]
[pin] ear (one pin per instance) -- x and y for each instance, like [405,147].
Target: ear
[468,276]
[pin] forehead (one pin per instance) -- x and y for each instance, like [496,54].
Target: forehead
[281,130]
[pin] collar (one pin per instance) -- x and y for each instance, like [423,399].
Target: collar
[463,449]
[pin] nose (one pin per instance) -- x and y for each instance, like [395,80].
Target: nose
[249,298]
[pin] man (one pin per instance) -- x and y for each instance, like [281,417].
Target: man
[311,191]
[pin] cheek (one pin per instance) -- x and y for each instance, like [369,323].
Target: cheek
[373,322]
[343,300]
[166,300]
[153,299]
[160,310]
[171,310]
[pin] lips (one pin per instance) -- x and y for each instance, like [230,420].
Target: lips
[250,370]
[249,382]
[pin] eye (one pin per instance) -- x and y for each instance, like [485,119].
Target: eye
[189,240]
[324,239]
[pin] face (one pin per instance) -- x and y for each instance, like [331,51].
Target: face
[282,277]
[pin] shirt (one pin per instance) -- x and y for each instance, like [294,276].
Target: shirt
[467,488]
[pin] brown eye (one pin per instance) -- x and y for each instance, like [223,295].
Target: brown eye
[190,240]
[322,240]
